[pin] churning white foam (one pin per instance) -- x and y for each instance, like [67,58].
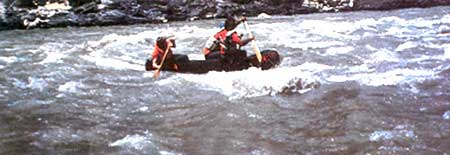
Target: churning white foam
[446,115]
[406,45]
[109,51]
[37,83]
[389,78]
[71,87]
[339,30]
[115,39]
[445,19]
[10,59]
[254,82]
[399,132]
[446,54]
[54,52]
[138,142]
[53,57]
[339,50]
[382,55]
[113,63]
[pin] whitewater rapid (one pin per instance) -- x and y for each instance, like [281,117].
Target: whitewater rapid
[344,40]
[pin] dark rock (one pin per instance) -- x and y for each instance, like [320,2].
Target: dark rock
[77,3]
[3,25]
[112,17]
[241,1]
[86,8]
[13,18]
[130,7]
[89,12]
[30,17]
[60,19]
[22,3]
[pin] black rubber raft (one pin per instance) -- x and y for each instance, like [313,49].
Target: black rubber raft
[236,62]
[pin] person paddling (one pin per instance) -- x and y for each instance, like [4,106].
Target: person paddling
[166,42]
[226,42]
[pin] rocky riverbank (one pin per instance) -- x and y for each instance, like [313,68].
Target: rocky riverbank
[21,14]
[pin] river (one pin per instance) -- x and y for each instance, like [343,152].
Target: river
[368,82]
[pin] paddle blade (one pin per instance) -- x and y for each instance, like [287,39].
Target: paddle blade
[259,56]
[257,52]
[156,74]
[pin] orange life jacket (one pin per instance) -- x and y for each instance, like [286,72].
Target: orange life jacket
[158,53]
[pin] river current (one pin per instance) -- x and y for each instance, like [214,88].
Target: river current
[369,82]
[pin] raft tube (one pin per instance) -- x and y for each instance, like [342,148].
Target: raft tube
[270,59]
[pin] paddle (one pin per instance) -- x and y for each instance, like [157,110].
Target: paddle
[255,48]
[156,74]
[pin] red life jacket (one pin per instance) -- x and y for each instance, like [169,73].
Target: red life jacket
[220,40]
